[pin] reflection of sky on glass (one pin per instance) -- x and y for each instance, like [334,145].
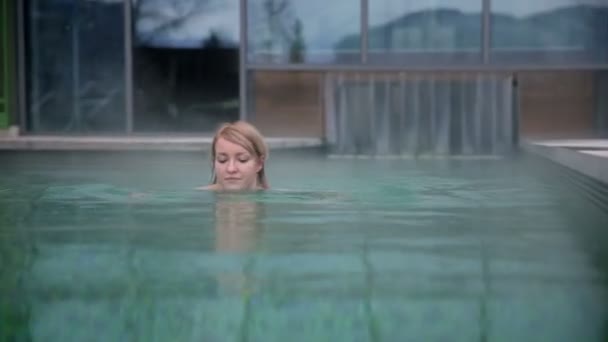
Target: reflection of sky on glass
[327,22]
[385,11]
[382,12]
[324,23]
[523,8]
[187,23]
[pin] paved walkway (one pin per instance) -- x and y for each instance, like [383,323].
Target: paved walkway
[127,143]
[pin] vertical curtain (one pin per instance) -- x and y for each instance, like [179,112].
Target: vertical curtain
[420,113]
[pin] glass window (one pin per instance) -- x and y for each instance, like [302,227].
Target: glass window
[311,31]
[75,66]
[185,64]
[186,23]
[550,31]
[423,32]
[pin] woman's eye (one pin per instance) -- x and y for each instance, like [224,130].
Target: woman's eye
[244,160]
[222,161]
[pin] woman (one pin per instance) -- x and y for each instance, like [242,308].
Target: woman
[238,154]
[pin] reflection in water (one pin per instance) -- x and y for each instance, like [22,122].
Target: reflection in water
[15,260]
[237,223]
[237,228]
[14,311]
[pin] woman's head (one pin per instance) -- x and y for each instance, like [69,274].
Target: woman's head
[238,154]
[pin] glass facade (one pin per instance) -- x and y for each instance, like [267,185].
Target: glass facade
[185,64]
[545,32]
[188,68]
[425,32]
[311,31]
[75,66]
[186,23]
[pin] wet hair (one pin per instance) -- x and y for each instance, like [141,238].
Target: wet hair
[247,136]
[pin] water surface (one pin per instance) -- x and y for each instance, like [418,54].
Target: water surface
[120,247]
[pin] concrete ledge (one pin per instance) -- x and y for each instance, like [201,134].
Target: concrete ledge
[584,156]
[133,143]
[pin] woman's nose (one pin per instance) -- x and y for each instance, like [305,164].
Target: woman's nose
[231,166]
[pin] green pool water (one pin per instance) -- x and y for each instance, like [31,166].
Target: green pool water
[120,247]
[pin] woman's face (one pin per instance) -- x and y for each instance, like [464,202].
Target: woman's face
[235,167]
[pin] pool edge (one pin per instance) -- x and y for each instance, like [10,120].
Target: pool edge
[573,156]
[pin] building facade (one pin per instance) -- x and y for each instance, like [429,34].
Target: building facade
[388,76]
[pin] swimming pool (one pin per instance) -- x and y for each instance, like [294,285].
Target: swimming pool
[118,246]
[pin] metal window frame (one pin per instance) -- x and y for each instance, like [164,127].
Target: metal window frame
[486,35]
[364,10]
[128,55]
[12,66]
[406,68]
[6,93]
[21,73]
[243,79]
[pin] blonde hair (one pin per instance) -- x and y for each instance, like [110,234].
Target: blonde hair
[247,136]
